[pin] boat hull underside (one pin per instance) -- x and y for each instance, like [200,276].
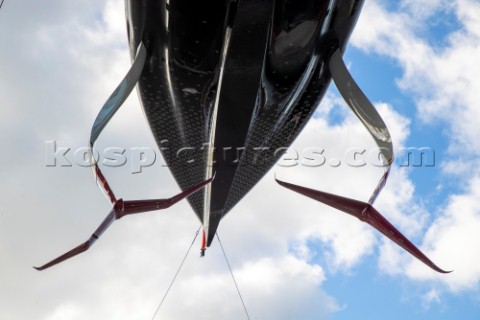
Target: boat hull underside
[232,83]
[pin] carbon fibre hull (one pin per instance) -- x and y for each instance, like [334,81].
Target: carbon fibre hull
[227,86]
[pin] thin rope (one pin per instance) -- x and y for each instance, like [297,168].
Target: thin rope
[175,276]
[1,4]
[233,277]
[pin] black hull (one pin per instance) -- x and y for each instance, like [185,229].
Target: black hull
[243,77]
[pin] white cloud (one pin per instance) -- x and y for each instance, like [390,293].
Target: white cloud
[444,82]
[69,66]
[431,297]
[336,230]
[66,311]
[452,239]
[74,59]
[280,288]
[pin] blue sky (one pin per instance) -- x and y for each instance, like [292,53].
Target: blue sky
[417,60]
[377,72]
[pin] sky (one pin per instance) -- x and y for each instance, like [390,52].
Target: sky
[293,258]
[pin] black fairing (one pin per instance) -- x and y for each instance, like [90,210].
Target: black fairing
[275,72]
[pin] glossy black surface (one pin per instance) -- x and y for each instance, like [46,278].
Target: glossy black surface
[275,72]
